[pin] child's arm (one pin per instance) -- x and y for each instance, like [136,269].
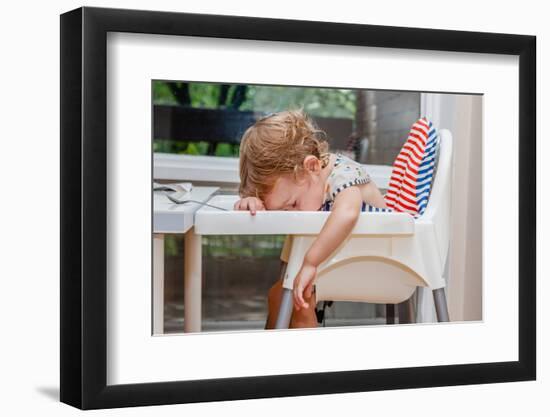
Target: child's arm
[342,219]
[373,196]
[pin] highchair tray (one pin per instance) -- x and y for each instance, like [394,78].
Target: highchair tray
[213,221]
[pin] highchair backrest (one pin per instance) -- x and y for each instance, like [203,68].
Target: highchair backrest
[413,170]
[438,210]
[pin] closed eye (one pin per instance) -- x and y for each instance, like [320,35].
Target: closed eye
[290,206]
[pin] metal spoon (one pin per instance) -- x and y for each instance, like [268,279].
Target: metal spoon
[175,200]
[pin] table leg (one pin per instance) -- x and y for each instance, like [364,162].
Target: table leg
[192,282]
[158,283]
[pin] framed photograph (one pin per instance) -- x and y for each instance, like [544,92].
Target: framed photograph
[257,208]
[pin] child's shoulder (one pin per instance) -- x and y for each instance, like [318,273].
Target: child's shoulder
[344,165]
[345,173]
[342,160]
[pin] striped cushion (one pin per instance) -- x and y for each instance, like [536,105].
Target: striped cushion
[413,172]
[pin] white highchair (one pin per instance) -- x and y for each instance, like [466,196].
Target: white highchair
[387,255]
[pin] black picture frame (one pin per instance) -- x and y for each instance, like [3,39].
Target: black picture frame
[83,288]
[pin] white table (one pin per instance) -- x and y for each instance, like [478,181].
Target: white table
[169,217]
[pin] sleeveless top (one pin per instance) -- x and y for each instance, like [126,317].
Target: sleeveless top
[345,173]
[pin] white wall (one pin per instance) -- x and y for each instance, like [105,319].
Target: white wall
[30,257]
[462,115]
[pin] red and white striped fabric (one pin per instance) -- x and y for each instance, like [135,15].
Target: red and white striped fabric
[413,171]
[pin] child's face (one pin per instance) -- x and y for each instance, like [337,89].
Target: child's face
[305,194]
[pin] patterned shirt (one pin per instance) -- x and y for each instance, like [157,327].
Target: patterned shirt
[345,173]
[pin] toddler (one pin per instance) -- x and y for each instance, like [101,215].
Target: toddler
[285,165]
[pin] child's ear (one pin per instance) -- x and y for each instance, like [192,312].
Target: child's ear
[312,164]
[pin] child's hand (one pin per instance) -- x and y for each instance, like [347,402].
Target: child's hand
[249,203]
[303,285]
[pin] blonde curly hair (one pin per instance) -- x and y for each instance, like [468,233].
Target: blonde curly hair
[277,145]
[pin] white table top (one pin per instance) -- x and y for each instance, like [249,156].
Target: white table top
[170,217]
[210,221]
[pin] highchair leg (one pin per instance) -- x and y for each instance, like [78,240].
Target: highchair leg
[390,313]
[285,310]
[440,302]
[406,311]
[287,304]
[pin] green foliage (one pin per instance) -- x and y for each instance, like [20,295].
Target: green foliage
[323,102]
[225,149]
[171,245]
[169,146]
[196,148]
[180,147]
[162,93]
[204,95]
